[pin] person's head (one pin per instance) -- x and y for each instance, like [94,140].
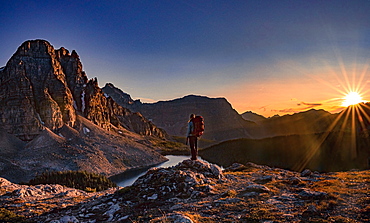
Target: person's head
[192,116]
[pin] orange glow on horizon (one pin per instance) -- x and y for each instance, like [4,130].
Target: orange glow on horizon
[324,87]
[353,119]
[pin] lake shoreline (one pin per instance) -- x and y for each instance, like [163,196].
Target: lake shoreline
[129,176]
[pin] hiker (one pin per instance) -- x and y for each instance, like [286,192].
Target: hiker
[195,130]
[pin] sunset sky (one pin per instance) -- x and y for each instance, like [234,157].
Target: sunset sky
[270,57]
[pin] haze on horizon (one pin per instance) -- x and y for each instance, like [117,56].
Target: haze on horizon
[269,57]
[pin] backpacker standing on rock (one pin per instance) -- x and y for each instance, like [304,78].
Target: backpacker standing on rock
[195,130]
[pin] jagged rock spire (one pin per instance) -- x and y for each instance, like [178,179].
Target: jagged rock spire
[43,87]
[34,92]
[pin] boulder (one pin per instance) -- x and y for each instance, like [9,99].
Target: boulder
[173,217]
[257,188]
[307,194]
[187,179]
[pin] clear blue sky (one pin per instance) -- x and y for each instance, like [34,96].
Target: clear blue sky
[266,56]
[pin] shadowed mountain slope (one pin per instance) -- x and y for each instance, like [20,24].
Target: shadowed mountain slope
[307,122]
[90,148]
[344,146]
[253,117]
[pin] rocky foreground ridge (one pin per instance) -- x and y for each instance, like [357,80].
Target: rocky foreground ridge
[52,117]
[195,191]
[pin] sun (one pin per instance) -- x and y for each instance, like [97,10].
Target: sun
[352,98]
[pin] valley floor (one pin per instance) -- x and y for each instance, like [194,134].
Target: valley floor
[195,191]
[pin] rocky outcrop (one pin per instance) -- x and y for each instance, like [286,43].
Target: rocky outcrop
[34,93]
[104,111]
[195,191]
[76,78]
[41,87]
[95,105]
[193,179]
[53,195]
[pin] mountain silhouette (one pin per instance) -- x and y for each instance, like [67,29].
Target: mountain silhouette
[221,120]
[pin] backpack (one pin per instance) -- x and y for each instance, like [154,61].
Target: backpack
[198,122]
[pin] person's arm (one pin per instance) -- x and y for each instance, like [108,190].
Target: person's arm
[190,129]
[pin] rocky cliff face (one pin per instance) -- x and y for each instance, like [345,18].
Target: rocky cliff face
[43,87]
[52,117]
[75,77]
[34,92]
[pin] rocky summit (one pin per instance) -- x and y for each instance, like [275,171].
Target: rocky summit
[196,191]
[41,87]
[52,117]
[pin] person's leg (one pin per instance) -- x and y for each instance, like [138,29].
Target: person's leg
[196,148]
[193,147]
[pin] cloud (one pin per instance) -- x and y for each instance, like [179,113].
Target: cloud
[263,108]
[335,109]
[286,110]
[309,105]
[299,109]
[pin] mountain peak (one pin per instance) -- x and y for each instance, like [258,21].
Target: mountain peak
[47,88]
[251,116]
[109,85]
[36,94]
[43,92]
[37,47]
[118,95]
[223,122]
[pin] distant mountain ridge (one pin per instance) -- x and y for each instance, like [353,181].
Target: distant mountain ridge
[251,116]
[221,120]
[118,95]
[44,91]
[342,144]
[307,122]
